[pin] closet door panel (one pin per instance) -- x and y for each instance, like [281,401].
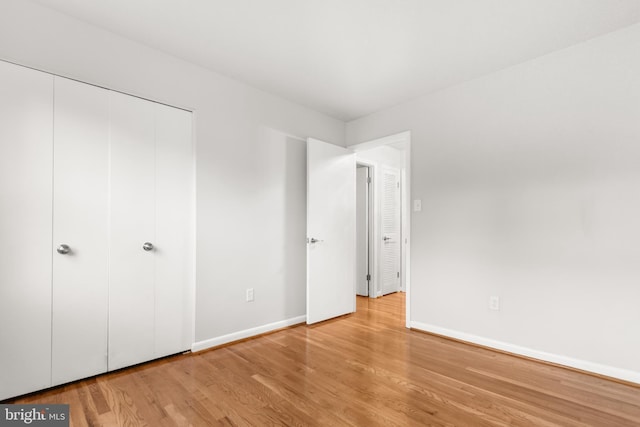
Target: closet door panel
[132,223]
[174,158]
[26,144]
[80,218]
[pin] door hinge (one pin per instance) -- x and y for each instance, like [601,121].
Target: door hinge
[368,180]
[368,277]
[398,275]
[398,185]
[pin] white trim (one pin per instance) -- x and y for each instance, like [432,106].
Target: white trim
[247,333]
[371,256]
[583,365]
[373,225]
[407,235]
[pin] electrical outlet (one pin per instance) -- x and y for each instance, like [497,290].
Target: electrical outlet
[494,303]
[250,295]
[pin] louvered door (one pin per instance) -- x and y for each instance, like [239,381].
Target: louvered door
[390,228]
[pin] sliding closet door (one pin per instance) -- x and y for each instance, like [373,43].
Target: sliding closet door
[80,218]
[26,140]
[132,224]
[174,197]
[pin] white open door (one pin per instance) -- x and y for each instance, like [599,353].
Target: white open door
[331,231]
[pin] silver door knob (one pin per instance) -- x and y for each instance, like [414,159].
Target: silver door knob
[147,246]
[63,249]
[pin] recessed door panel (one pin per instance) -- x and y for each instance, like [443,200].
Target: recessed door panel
[26,144]
[80,276]
[132,224]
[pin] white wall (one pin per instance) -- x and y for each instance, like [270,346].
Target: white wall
[530,181]
[251,217]
[384,156]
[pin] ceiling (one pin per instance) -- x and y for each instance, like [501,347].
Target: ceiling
[349,58]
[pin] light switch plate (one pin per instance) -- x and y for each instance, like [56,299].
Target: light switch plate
[417,205]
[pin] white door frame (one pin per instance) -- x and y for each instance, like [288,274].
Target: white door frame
[403,137]
[371,247]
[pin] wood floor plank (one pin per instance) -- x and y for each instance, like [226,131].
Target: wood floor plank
[364,369]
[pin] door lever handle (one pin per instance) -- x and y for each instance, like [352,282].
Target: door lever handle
[314,240]
[385,238]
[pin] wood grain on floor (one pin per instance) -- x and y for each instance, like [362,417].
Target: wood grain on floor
[364,369]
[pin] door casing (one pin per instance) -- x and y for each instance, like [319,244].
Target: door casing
[403,138]
[367,245]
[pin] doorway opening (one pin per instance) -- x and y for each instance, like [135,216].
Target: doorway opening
[331,224]
[382,208]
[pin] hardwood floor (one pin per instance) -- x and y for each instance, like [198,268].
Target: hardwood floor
[364,369]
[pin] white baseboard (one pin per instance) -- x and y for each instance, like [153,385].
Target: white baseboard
[247,333]
[583,365]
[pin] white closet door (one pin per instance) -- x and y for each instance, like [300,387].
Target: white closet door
[173,260]
[80,218]
[132,224]
[391,236]
[26,141]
